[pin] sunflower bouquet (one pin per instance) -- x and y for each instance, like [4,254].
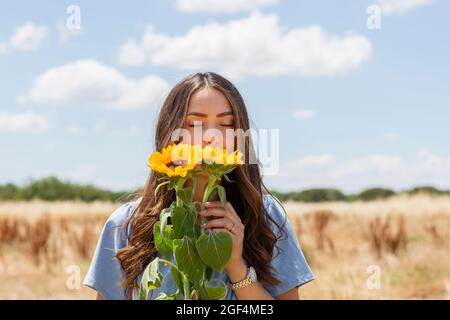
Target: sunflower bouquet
[198,252]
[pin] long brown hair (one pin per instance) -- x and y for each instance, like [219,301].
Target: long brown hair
[245,193]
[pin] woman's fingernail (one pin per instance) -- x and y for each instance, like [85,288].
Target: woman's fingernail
[203,225]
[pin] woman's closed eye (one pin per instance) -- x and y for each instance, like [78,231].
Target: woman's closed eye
[197,124]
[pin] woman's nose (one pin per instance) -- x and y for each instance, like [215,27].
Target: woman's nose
[212,136]
[209,141]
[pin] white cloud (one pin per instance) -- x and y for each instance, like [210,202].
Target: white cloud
[254,45]
[28,36]
[304,114]
[132,54]
[366,165]
[358,173]
[80,174]
[221,6]
[398,7]
[88,82]
[430,158]
[23,121]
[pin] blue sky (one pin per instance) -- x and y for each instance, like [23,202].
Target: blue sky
[356,107]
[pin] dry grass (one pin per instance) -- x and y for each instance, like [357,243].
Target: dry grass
[42,241]
[405,238]
[384,238]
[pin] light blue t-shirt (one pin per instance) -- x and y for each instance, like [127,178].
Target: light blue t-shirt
[105,274]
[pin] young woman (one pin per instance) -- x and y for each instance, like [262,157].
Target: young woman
[265,247]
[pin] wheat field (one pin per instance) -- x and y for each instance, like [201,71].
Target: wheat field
[386,249]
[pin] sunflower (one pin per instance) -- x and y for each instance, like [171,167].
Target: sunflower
[235,158]
[174,160]
[186,154]
[210,154]
[178,159]
[216,155]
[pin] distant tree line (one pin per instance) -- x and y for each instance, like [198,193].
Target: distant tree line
[323,194]
[51,189]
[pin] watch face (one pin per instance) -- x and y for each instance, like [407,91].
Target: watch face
[252,274]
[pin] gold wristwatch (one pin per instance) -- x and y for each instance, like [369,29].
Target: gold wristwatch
[249,279]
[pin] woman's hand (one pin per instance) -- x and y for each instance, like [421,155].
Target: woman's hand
[227,220]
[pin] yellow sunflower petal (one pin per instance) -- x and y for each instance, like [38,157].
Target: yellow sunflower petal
[156,162]
[167,154]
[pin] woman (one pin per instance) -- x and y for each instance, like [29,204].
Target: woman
[256,221]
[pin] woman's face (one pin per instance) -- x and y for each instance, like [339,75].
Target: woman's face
[208,117]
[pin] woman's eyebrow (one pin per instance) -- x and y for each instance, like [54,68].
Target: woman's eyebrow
[223,114]
[197,114]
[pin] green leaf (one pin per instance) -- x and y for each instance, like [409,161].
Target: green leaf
[159,187]
[197,230]
[142,293]
[164,296]
[183,222]
[222,195]
[165,214]
[225,170]
[188,260]
[186,287]
[227,178]
[213,292]
[208,273]
[215,249]
[194,184]
[194,294]
[151,278]
[177,278]
[163,241]
[172,183]
[185,195]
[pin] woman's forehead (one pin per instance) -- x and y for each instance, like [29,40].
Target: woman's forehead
[208,100]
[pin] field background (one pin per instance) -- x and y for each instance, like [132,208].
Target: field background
[45,247]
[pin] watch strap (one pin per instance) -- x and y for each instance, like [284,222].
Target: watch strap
[243,283]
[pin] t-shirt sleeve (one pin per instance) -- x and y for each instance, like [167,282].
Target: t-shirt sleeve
[105,274]
[289,263]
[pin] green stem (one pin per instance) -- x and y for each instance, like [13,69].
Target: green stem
[208,189]
[194,183]
[180,184]
[168,262]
